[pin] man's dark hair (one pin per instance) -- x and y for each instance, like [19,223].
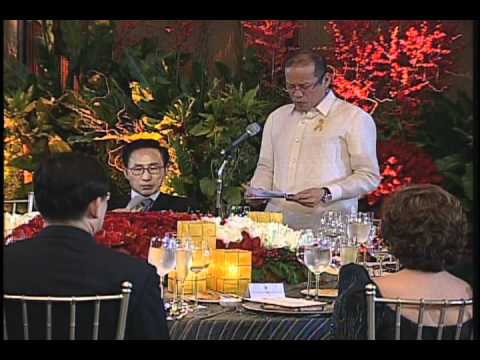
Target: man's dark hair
[65,183]
[144,144]
[425,227]
[306,57]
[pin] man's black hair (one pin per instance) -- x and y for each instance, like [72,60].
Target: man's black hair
[144,144]
[65,183]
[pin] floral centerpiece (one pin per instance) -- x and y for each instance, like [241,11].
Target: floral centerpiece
[272,246]
[128,232]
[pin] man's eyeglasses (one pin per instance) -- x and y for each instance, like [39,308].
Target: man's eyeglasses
[303,87]
[152,170]
[290,88]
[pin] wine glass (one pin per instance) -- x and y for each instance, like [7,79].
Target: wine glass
[317,257]
[332,224]
[358,228]
[347,249]
[201,258]
[182,268]
[306,238]
[162,255]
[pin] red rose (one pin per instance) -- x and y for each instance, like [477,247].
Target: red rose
[258,257]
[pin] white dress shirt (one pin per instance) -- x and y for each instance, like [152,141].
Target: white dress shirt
[333,146]
[134,194]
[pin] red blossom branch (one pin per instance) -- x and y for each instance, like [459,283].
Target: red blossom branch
[271,39]
[402,164]
[395,62]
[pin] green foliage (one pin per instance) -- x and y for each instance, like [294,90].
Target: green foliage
[16,77]
[227,110]
[447,135]
[285,268]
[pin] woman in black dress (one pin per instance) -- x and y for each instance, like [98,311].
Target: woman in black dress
[426,229]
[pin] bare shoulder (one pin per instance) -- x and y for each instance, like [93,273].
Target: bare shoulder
[459,284]
[390,285]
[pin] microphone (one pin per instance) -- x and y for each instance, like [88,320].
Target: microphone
[251,130]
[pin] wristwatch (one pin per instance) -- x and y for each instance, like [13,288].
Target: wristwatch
[327,195]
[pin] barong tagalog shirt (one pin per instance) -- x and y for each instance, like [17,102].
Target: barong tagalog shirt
[333,146]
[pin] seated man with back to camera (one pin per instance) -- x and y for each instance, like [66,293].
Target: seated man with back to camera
[71,193]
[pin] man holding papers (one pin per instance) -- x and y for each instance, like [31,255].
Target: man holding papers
[318,153]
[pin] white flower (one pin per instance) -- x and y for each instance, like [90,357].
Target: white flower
[272,235]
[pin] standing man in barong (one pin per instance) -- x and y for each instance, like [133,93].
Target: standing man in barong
[320,148]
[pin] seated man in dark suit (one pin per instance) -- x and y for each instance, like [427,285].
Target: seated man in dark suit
[71,193]
[146,164]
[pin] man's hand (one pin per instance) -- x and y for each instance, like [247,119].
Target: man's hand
[309,197]
[254,203]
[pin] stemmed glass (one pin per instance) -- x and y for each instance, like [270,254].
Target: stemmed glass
[347,249]
[201,258]
[378,249]
[183,264]
[306,239]
[332,224]
[359,227]
[162,255]
[318,257]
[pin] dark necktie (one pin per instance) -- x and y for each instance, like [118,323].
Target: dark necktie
[140,203]
[146,204]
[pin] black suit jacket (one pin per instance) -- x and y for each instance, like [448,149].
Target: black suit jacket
[163,202]
[66,261]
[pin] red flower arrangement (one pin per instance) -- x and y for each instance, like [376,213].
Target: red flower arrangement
[26,231]
[402,164]
[127,232]
[130,233]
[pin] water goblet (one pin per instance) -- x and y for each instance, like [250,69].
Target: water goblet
[307,237]
[317,258]
[162,255]
[201,258]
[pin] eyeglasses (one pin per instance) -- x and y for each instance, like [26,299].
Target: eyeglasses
[152,170]
[303,87]
[290,88]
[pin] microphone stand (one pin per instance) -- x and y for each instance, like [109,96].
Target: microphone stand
[221,211]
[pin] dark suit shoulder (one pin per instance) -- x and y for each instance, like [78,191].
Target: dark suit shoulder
[172,202]
[116,258]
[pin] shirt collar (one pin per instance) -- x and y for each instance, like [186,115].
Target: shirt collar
[154,197]
[326,104]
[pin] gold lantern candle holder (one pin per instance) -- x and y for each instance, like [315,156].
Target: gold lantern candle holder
[199,232]
[232,271]
[266,217]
